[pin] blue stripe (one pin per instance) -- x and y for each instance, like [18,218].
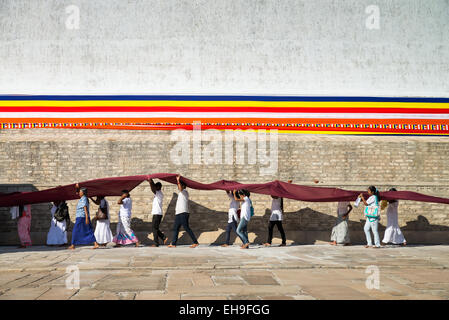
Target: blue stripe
[216,98]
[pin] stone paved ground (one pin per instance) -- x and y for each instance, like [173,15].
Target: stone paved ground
[210,272]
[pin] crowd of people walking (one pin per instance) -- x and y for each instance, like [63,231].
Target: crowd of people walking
[240,212]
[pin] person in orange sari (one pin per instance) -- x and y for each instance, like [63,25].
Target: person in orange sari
[24,225]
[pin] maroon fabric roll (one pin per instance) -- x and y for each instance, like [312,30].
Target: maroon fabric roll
[114,186]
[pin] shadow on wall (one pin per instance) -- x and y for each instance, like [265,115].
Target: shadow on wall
[304,226]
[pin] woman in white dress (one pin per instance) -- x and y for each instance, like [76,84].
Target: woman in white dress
[393,233]
[340,231]
[103,233]
[57,235]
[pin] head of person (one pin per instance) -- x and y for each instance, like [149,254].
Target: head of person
[392,189]
[245,193]
[99,198]
[274,197]
[82,192]
[183,185]
[372,191]
[158,186]
[126,193]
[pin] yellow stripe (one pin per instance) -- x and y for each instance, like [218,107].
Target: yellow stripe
[236,104]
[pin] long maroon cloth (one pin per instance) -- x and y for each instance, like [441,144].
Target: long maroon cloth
[114,186]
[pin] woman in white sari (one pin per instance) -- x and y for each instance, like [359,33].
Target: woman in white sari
[103,233]
[340,231]
[125,235]
[393,233]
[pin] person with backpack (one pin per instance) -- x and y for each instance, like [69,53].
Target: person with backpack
[247,211]
[182,214]
[57,235]
[82,232]
[372,215]
[233,218]
[103,233]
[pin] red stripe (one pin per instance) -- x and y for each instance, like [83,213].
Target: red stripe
[359,130]
[220,109]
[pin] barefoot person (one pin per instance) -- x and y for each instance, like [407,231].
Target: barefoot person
[233,219]
[82,232]
[156,212]
[57,235]
[372,216]
[103,232]
[125,235]
[182,214]
[247,212]
[393,233]
[277,209]
[24,226]
[340,231]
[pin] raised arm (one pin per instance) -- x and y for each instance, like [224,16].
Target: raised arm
[178,181]
[153,187]
[95,201]
[120,201]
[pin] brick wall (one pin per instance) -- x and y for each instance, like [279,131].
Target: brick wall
[42,158]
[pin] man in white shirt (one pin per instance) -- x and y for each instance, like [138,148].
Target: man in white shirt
[182,214]
[277,207]
[156,211]
[233,218]
[245,216]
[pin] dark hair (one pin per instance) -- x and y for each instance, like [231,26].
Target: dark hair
[245,192]
[126,191]
[375,192]
[158,186]
[392,201]
[183,184]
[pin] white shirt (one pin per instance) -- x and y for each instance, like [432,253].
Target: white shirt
[233,207]
[157,203]
[276,210]
[371,200]
[246,209]
[125,207]
[182,204]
